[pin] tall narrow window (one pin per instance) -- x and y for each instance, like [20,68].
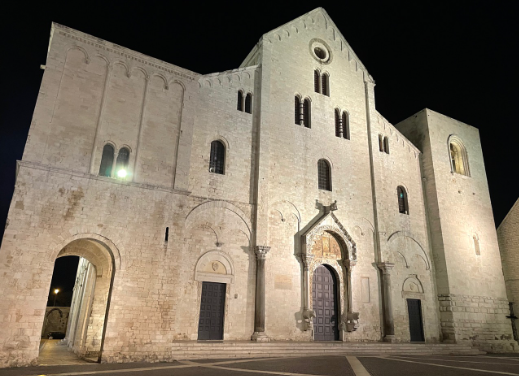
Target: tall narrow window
[217,158]
[307,113]
[240,101]
[458,156]
[121,169]
[325,85]
[324,175]
[166,236]
[476,245]
[386,145]
[248,103]
[346,125]
[403,206]
[107,161]
[380,143]
[297,111]
[338,125]
[317,81]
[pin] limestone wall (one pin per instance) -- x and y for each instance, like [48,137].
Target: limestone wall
[508,236]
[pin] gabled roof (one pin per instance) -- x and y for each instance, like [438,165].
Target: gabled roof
[312,16]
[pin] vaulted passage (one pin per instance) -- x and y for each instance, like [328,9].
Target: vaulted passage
[85,327]
[324,299]
[212,304]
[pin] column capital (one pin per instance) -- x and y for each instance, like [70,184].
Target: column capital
[349,264]
[385,267]
[307,260]
[261,251]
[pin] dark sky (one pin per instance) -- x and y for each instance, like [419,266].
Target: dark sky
[458,58]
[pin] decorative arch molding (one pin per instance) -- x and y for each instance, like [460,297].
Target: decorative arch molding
[285,204]
[214,266]
[103,241]
[79,48]
[405,234]
[412,287]
[218,204]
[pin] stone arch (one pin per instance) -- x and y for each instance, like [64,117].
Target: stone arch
[79,48]
[163,78]
[197,212]
[214,266]
[405,235]
[412,284]
[124,65]
[90,303]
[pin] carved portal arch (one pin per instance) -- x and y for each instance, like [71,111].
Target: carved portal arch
[214,266]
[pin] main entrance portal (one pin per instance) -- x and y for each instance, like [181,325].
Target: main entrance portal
[324,297]
[212,304]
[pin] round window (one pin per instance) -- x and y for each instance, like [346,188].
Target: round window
[320,53]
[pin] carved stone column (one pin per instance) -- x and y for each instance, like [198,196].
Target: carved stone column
[259,314]
[389,326]
[308,314]
[348,266]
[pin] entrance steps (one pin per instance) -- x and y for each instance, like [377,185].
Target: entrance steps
[246,349]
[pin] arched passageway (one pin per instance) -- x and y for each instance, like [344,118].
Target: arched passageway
[85,328]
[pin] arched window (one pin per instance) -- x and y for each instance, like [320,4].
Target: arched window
[338,123]
[476,245]
[121,166]
[346,125]
[217,158]
[324,175]
[325,85]
[403,205]
[458,156]
[297,110]
[386,145]
[317,81]
[107,161]
[240,101]
[307,113]
[380,142]
[248,103]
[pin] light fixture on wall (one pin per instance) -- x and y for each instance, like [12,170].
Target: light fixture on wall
[121,173]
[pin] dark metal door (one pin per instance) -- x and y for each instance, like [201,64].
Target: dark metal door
[324,296]
[210,324]
[414,307]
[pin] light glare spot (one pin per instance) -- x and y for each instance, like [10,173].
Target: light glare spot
[121,173]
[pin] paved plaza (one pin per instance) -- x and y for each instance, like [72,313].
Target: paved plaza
[56,360]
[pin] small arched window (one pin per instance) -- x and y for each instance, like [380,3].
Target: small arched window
[346,125]
[325,85]
[324,175]
[307,113]
[380,143]
[248,103]
[297,110]
[317,81]
[403,205]
[121,166]
[386,145]
[458,156]
[217,158]
[240,100]
[338,123]
[107,161]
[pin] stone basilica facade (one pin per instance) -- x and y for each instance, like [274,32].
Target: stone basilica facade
[271,202]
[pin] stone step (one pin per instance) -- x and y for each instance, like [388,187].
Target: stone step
[238,349]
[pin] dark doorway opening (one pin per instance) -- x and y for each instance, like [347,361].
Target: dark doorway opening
[324,299]
[414,307]
[212,305]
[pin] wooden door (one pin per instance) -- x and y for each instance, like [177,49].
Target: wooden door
[414,307]
[212,304]
[324,297]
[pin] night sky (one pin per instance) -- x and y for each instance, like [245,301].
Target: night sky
[457,58]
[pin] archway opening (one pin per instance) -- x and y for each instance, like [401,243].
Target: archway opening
[325,304]
[83,282]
